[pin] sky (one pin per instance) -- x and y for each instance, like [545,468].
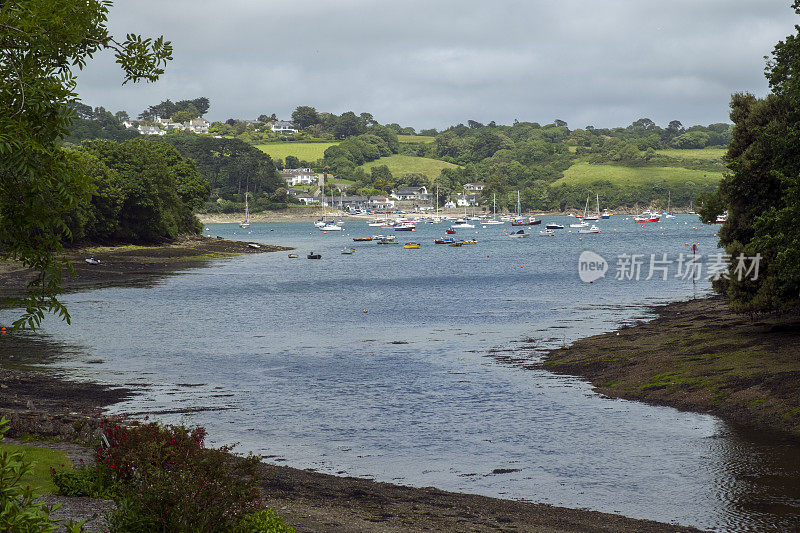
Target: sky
[437,63]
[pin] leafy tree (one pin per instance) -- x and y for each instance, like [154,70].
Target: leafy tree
[159,188]
[292,162]
[762,190]
[42,44]
[305,116]
[231,166]
[348,125]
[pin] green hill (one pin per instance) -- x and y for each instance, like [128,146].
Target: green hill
[303,151]
[406,164]
[586,173]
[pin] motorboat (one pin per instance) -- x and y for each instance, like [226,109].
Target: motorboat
[647,216]
[462,223]
[593,229]
[330,226]
[469,241]
[411,245]
[450,231]
[362,239]
[547,233]
[554,226]
[312,255]
[447,240]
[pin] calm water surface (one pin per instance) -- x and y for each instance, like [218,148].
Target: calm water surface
[430,386]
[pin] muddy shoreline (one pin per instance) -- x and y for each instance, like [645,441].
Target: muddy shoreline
[698,356]
[40,400]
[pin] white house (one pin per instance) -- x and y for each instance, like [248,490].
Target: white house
[308,199]
[380,202]
[282,126]
[298,176]
[466,200]
[475,187]
[151,130]
[198,125]
[410,193]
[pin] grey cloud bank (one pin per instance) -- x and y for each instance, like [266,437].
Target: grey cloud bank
[438,63]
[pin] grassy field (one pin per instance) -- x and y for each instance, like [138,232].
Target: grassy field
[303,151]
[43,459]
[406,164]
[586,173]
[415,138]
[705,153]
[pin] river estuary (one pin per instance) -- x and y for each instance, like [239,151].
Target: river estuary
[412,366]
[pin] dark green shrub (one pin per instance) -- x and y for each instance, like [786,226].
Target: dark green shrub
[88,481]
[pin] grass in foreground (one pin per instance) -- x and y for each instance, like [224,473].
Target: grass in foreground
[43,458]
[302,151]
[586,173]
[406,164]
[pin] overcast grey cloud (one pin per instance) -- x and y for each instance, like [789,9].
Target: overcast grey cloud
[437,63]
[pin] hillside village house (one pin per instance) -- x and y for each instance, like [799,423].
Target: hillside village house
[354,203]
[281,126]
[196,125]
[417,194]
[462,200]
[307,198]
[475,187]
[298,176]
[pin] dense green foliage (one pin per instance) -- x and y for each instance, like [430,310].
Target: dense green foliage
[144,192]
[376,143]
[42,42]
[97,123]
[762,191]
[232,168]
[186,109]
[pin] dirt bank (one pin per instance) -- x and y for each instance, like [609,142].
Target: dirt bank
[129,264]
[698,356]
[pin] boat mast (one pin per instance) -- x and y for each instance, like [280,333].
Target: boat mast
[518,208]
[598,205]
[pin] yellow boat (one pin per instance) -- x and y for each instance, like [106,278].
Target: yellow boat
[469,242]
[454,244]
[411,245]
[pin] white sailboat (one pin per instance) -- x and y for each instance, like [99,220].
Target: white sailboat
[582,224]
[493,220]
[246,222]
[596,217]
[668,213]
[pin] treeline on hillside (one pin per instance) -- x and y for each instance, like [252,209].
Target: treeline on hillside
[345,156]
[232,169]
[141,192]
[97,123]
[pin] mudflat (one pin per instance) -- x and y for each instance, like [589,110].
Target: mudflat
[698,356]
